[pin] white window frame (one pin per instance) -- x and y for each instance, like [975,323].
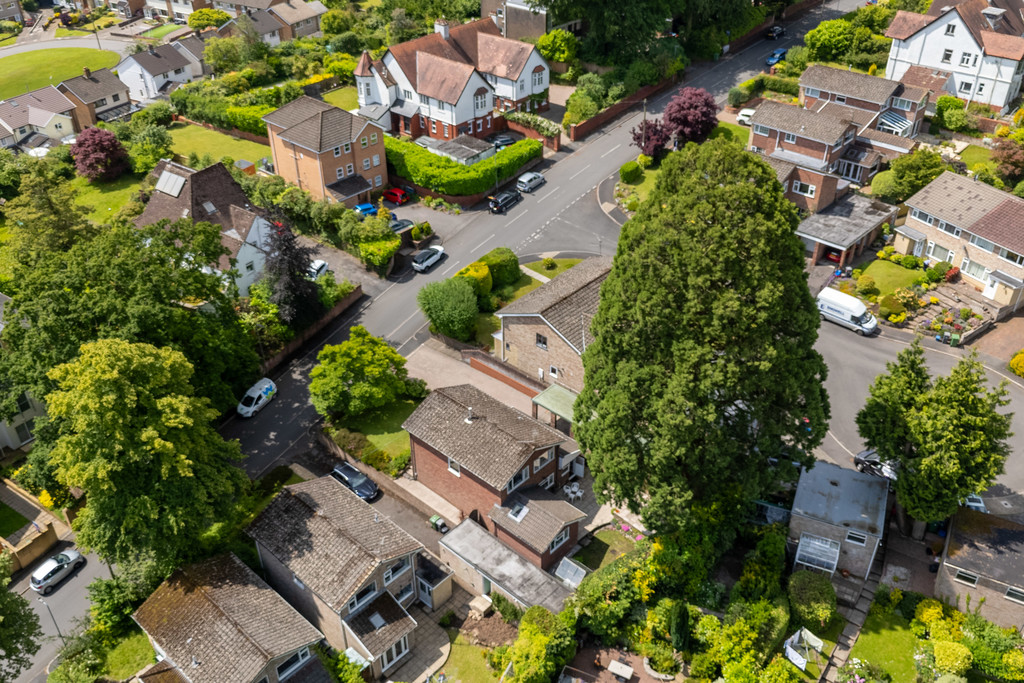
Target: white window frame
[394,654]
[339,173]
[424,99]
[965,86]
[966,578]
[337,151]
[366,164]
[950,29]
[980,89]
[548,481]
[303,658]
[376,160]
[856,538]
[982,243]
[840,99]
[542,462]
[812,92]
[947,56]
[390,574]
[522,475]
[373,138]
[454,467]
[363,143]
[805,189]
[559,540]
[355,603]
[445,129]
[1019,598]
[349,169]
[480,101]
[789,138]
[378,181]
[541,341]
[965,58]
[968,263]
[553,371]
[347,147]
[1017,260]
[761,130]
[945,227]
[433,127]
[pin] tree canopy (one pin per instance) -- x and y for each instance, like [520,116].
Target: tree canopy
[287,270]
[206,17]
[450,306]
[44,218]
[702,369]
[99,155]
[691,115]
[133,435]
[20,632]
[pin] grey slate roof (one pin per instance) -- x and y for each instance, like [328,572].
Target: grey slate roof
[263,21]
[35,108]
[842,497]
[293,11]
[569,302]
[801,122]
[324,130]
[397,623]
[845,221]
[850,83]
[226,617]
[349,186]
[987,545]
[546,515]
[330,539]
[97,85]
[783,169]
[861,117]
[296,112]
[159,59]
[497,442]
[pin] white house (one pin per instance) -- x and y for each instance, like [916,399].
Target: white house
[154,72]
[38,118]
[977,41]
[192,48]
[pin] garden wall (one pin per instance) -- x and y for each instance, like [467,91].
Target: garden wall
[492,367]
[292,346]
[578,131]
[554,144]
[234,132]
[750,37]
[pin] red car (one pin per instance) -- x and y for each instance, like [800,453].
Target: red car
[396,196]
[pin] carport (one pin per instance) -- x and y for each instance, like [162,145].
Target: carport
[558,401]
[848,226]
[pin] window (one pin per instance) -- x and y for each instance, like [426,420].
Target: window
[102,101]
[538,79]
[433,127]
[974,269]
[901,104]
[454,468]
[340,173]
[59,126]
[553,371]
[349,169]
[394,653]
[965,59]
[548,482]
[982,243]
[116,98]
[761,130]
[445,130]
[947,56]
[479,125]
[789,139]
[424,100]
[362,597]
[396,570]
[373,138]
[950,228]
[378,181]
[965,86]
[347,147]
[522,84]
[376,160]
[917,214]
[1015,594]
[489,118]
[950,29]
[855,538]
[179,70]
[1016,259]
[542,461]
[480,101]
[337,151]
[558,540]
[840,99]
[23,403]
[517,512]
[292,664]
[803,188]
[938,252]
[812,92]
[516,481]
[250,266]
[366,164]
[362,142]
[542,342]
[25,429]
[966,577]
[980,89]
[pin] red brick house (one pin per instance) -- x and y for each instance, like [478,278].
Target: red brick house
[498,466]
[872,103]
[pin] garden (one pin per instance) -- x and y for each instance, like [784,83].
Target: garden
[37,69]
[187,139]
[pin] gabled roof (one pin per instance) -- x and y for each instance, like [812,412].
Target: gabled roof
[862,118]
[569,302]
[933,81]
[296,111]
[987,545]
[330,539]
[801,122]
[850,83]
[494,444]
[501,56]
[293,11]
[193,45]
[324,130]
[783,169]
[158,59]
[440,78]
[1002,45]
[264,22]
[406,54]
[97,85]
[363,67]
[381,623]
[975,15]
[906,24]
[220,622]
[844,498]
[546,514]
[34,108]
[467,37]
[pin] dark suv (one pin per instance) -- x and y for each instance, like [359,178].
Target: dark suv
[503,201]
[356,481]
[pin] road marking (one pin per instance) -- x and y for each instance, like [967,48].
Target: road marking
[611,150]
[573,176]
[482,243]
[402,324]
[454,265]
[515,219]
[549,194]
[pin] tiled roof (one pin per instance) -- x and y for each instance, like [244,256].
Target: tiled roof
[988,545]
[801,122]
[881,142]
[1004,224]
[263,21]
[221,622]
[406,53]
[932,80]
[906,24]
[440,78]
[296,111]
[862,118]
[192,44]
[503,57]
[569,302]
[97,85]
[255,4]
[546,515]
[294,11]
[1011,23]
[34,108]
[363,67]
[330,539]
[467,37]
[850,83]
[1002,45]
[349,187]
[396,623]
[493,445]
[164,671]
[324,130]
[783,169]
[159,59]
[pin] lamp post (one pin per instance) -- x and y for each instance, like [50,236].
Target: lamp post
[63,642]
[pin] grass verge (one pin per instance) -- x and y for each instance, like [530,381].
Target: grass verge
[10,521]
[605,547]
[187,138]
[128,657]
[161,31]
[561,265]
[346,98]
[104,199]
[383,428]
[886,640]
[889,276]
[33,70]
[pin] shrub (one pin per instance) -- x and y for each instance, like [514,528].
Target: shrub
[866,285]
[738,96]
[506,608]
[952,658]
[704,666]
[910,261]
[812,598]
[479,276]
[1017,363]
[890,303]
[549,263]
[898,318]
[644,161]
[762,569]
[534,122]
[445,176]
[503,264]
[908,606]
[450,306]
[499,657]
[630,172]
[447,619]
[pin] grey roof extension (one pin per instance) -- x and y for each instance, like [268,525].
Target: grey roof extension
[987,545]
[546,515]
[850,83]
[296,112]
[377,638]
[34,108]
[846,221]
[842,497]
[159,59]
[801,122]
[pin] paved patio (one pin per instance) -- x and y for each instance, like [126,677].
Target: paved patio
[591,666]
[432,646]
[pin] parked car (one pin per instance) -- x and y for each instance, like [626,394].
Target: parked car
[774,32]
[502,140]
[317,268]
[257,398]
[833,255]
[974,502]
[776,56]
[530,181]
[366,209]
[422,261]
[503,201]
[396,196]
[400,225]
[869,462]
[55,570]
[355,481]
[743,118]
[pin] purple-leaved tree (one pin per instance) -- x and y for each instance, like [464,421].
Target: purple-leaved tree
[691,115]
[651,136]
[99,155]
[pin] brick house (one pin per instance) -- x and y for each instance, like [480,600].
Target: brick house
[267,26]
[975,227]
[327,151]
[351,571]
[498,467]
[98,96]
[173,9]
[10,10]
[217,621]
[983,561]
[449,83]
[838,519]
[871,102]
[935,81]
[977,41]
[299,19]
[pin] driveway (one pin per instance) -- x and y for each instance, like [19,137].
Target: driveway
[1004,340]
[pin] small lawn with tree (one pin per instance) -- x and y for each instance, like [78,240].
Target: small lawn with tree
[345,98]
[37,69]
[10,520]
[606,546]
[560,266]
[104,199]
[99,155]
[975,154]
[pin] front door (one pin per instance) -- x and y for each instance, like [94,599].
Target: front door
[426,593]
[990,289]
[918,247]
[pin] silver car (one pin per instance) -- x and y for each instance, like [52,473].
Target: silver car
[54,570]
[530,181]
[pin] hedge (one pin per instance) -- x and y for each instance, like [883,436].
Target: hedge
[479,275]
[630,172]
[504,266]
[441,174]
[748,90]
[534,122]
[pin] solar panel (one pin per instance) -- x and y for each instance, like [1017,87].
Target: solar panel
[170,183]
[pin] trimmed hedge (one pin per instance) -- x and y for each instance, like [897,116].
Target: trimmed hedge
[630,172]
[748,90]
[504,266]
[479,276]
[443,175]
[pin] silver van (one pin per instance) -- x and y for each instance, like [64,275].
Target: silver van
[846,310]
[530,181]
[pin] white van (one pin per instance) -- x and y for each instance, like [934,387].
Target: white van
[846,310]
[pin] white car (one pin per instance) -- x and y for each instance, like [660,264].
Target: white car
[54,570]
[317,268]
[258,396]
[743,118]
[974,502]
[422,261]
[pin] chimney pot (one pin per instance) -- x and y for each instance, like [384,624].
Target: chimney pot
[86,72]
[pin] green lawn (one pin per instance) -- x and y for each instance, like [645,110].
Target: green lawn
[127,657]
[605,547]
[161,31]
[383,428]
[105,198]
[889,276]
[488,323]
[72,33]
[32,70]
[10,521]
[346,98]
[974,154]
[829,635]
[187,138]
[886,640]
[6,39]
[466,663]
[732,132]
[561,265]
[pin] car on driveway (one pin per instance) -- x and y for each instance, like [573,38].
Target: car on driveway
[317,268]
[774,32]
[257,398]
[355,481]
[776,56]
[503,140]
[503,201]
[366,209]
[869,462]
[530,181]
[400,225]
[974,502]
[743,118]
[55,570]
[396,196]
[422,261]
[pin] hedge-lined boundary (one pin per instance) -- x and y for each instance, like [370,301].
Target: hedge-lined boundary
[448,177]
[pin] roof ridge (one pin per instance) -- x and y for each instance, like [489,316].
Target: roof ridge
[491,422]
[209,596]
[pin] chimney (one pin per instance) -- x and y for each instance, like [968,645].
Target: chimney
[86,72]
[152,50]
[469,416]
[441,26]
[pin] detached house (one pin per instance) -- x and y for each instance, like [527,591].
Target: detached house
[218,622]
[192,48]
[10,10]
[173,9]
[327,151]
[350,570]
[293,18]
[40,119]
[266,25]
[975,227]
[979,42]
[98,96]
[870,102]
[154,72]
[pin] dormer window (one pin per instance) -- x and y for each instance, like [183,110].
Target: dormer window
[518,480]
[517,512]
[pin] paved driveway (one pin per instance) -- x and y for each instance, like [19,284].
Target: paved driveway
[1004,340]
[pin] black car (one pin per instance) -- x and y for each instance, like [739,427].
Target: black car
[503,141]
[774,32]
[503,201]
[398,225]
[355,480]
[869,462]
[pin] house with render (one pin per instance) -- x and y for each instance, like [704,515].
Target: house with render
[154,72]
[292,18]
[975,227]
[978,42]
[39,119]
[173,9]
[871,103]
[449,83]
[98,96]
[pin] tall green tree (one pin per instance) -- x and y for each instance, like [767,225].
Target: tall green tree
[132,434]
[287,272]
[947,435]
[44,218]
[702,369]
[621,30]
[20,632]
[206,17]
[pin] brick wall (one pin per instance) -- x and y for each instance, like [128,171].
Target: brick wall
[996,608]
[543,560]
[855,558]
[84,114]
[578,131]
[521,351]
[825,189]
